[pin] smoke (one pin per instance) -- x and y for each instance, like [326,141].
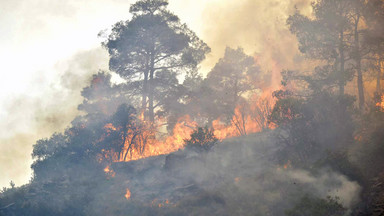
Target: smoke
[49,107]
[238,177]
[257,26]
[328,184]
[15,159]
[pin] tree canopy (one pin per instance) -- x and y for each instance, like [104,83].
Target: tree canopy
[153,40]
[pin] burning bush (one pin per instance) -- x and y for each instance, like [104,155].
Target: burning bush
[202,140]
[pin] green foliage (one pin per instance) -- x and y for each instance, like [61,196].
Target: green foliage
[202,140]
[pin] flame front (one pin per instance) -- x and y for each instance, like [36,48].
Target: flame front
[174,142]
[248,118]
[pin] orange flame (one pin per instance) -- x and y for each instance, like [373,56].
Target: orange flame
[247,118]
[154,146]
[109,171]
[160,203]
[127,194]
[380,104]
[287,165]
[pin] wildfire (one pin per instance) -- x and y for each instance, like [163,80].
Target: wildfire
[237,179]
[109,126]
[241,124]
[287,165]
[380,104]
[160,204]
[127,194]
[246,119]
[109,171]
[174,142]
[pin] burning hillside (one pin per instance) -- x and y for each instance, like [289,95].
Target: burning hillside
[239,174]
[149,140]
[246,139]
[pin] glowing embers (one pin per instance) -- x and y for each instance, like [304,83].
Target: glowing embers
[109,171]
[380,102]
[160,203]
[285,166]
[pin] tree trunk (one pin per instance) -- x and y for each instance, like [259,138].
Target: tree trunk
[360,83]
[144,97]
[235,94]
[342,64]
[378,78]
[123,143]
[151,88]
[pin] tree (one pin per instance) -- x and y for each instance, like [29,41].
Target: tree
[262,112]
[374,39]
[326,38]
[102,97]
[312,125]
[234,75]
[358,7]
[342,35]
[152,41]
[127,130]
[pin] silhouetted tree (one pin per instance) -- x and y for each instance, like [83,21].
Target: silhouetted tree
[152,41]
[312,125]
[234,75]
[202,139]
[326,38]
[102,97]
[374,39]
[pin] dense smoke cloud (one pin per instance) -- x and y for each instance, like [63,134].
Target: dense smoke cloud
[48,54]
[31,117]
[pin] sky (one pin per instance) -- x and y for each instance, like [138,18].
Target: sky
[50,49]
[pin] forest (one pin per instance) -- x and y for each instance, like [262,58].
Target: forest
[240,140]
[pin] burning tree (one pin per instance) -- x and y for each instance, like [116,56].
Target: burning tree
[125,131]
[231,78]
[262,112]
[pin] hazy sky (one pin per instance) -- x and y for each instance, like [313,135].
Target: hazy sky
[50,48]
